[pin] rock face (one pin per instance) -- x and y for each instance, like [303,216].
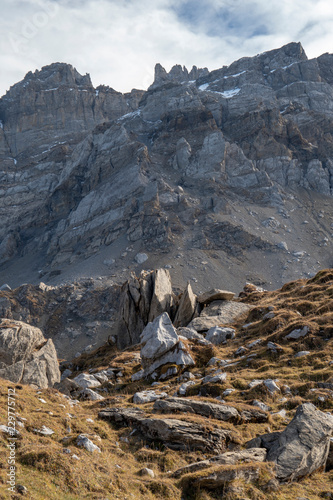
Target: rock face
[82,168]
[26,356]
[303,447]
[142,300]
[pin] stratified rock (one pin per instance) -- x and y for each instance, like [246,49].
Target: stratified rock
[212,410]
[303,447]
[220,477]
[176,434]
[142,300]
[187,308]
[26,356]
[215,294]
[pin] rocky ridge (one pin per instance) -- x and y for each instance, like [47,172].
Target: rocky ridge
[219,165]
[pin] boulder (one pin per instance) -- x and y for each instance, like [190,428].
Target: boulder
[160,345]
[220,312]
[147,397]
[303,447]
[26,356]
[217,335]
[91,395]
[215,294]
[187,308]
[87,381]
[210,410]
[175,434]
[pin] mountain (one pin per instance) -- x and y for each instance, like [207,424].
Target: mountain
[220,176]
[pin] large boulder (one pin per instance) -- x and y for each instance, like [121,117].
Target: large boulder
[160,345]
[26,356]
[187,307]
[303,447]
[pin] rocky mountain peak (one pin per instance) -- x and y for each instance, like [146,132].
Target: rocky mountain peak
[177,74]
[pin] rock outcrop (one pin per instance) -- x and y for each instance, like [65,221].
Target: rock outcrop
[26,356]
[176,434]
[303,447]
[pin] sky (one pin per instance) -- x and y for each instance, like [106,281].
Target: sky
[118,42]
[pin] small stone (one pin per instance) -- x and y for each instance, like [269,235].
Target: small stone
[260,405]
[140,258]
[218,378]
[147,472]
[82,440]
[183,388]
[215,294]
[21,489]
[300,354]
[271,385]
[298,333]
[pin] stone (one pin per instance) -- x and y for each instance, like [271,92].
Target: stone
[219,478]
[215,294]
[87,381]
[187,308]
[158,338]
[140,258]
[190,334]
[86,443]
[260,405]
[175,434]
[147,472]
[209,410]
[68,386]
[26,356]
[298,333]
[45,431]
[66,373]
[254,383]
[147,396]
[183,388]
[303,447]
[218,335]
[217,378]
[5,288]
[227,458]
[91,395]
[138,376]
[160,345]
[271,385]
[301,354]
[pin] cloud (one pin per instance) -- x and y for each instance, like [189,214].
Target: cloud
[119,41]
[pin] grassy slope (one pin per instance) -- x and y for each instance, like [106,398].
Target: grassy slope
[47,472]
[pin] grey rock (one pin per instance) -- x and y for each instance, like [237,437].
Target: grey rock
[298,333]
[91,395]
[271,385]
[303,447]
[87,381]
[217,411]
[147,397]
[86,443]
[26,356]
[5,287]
[301,354]
[187,308]
[176,434]
[218,335]
[218,378]
[140,258]
[215,294]
[161,345]
[147,472]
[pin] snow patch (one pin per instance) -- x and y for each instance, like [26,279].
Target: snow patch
[130,115]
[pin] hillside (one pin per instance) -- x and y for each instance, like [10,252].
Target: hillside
[275,357]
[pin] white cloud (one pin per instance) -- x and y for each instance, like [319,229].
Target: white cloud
[119,41]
